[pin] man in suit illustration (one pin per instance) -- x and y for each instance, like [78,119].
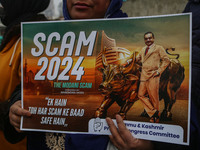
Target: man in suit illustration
[154,61]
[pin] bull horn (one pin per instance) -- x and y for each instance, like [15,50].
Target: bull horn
[130,63]
[104,62]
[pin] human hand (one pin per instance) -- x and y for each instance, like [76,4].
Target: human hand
[123,139]
[15,114]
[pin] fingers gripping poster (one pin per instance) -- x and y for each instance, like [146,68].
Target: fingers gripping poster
[77,73]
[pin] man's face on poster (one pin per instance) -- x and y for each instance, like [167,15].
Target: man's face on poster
[148,39]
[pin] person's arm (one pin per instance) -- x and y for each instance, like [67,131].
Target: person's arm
[4,106]
[12,122]
[123,139]
[165,61]
[138,58]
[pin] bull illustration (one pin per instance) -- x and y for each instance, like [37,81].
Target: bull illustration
[121,81]
[170,81]
[120,84]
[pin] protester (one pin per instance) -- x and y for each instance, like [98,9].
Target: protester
[72,9]
[121,138]
[14,12]
[194,7]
